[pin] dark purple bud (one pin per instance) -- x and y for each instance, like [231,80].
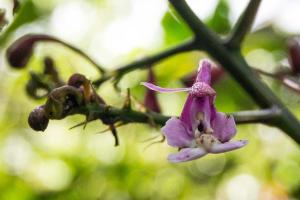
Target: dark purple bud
[50,69]
[294,54]
[77,80]
[19,52]
[150,101]
[37,119]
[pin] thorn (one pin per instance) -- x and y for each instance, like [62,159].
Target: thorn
[115,134]
[152,143]
[107,129]
[127,102]
[84,123]
[150,119]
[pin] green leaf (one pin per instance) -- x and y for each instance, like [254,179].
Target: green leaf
[27,13]
[219,21]
[175,29]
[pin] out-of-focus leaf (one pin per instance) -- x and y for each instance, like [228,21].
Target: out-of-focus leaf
[231,96]
[265,38]
[26,14]
[174,28]
[219,21]
[3,20]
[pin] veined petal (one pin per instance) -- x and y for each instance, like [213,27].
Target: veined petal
[187,154]
[176,133]
[227,146]
[160,89]
[224,127]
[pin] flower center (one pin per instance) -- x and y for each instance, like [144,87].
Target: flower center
[201,89]
[206,141]
[203,134]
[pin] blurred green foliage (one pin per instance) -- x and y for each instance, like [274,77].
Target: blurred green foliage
[80,164]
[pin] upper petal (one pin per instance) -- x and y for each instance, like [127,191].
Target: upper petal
[176,133]
[227,146]
[224,127]
[187,154]
[160,89]
[204,71]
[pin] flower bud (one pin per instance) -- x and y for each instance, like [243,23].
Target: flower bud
[150,101]
[37,119]
[294,54]
[77,80]
[19,52]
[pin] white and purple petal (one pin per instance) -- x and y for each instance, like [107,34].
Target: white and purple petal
[227,146]
[224,127]
[187,154]
[176,133]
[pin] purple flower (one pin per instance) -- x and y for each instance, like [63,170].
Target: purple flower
[200,129]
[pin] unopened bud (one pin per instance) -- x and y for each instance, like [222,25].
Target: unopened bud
[77,80]
[294,54]
[37,119]
[19,52]
[150,101]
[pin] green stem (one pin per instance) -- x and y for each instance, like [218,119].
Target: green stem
[148,61]
[243,24]
[234,63]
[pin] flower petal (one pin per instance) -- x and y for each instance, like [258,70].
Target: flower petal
[187,154]
[224,127]
[176,133]
[228,146]
[160,89]
[204,71]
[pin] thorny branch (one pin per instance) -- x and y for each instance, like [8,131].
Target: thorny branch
[227,53]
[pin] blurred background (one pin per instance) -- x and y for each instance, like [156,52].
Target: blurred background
[82,164]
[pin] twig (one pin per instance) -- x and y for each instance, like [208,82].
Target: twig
[148,61]
[243,24]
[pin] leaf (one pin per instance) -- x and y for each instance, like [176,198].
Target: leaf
[27,13]
[175,29]
[219,21]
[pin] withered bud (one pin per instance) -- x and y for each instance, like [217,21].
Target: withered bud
[37,119]
[150,100]
[19,52]
[294,54]
[49,67]
[77,80]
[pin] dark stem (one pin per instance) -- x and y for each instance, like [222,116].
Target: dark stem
[148,61]
[239,69]
[266,116]
[243,24]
